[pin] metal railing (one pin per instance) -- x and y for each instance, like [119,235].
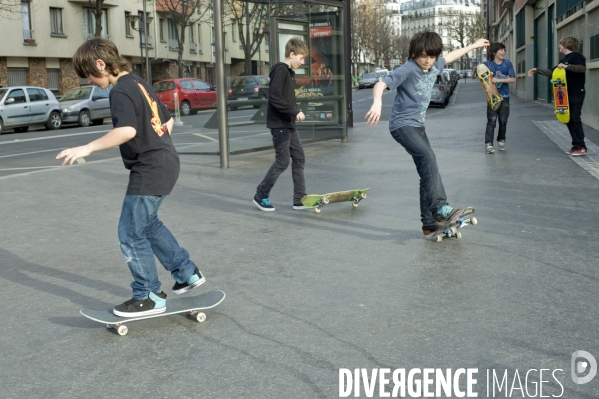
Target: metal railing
[27,34]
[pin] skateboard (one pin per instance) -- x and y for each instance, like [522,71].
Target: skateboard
[192,305]
[319,200]
[485,76]
[560,95]
[452,229]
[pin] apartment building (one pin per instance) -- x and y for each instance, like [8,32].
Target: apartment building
[41,37]
[437,15]
[531,31]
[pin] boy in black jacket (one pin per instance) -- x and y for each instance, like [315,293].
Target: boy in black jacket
[575,65]
[281,114]
[142,130]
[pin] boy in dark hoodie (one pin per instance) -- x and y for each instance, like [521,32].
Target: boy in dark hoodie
[281,114]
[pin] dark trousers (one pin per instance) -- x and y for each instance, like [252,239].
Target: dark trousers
[432,192]
[502,114]
[287,145]
[575,124]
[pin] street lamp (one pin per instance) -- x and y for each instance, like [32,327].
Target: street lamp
[142,27]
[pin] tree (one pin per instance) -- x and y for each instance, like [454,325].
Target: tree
[183,13]
[97,10]
[10,9]
[250,22]
[476,30]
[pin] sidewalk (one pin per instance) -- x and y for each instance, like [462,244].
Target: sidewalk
[309,294]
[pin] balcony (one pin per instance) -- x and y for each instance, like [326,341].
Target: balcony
[508,4]
[143,41]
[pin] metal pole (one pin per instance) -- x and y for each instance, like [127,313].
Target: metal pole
[347,64]
[221,100]
[148,73]
[141,47]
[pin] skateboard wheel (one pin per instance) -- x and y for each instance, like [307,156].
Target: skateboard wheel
[458,235]
[473,221]
[363,195]
[201,317]
[453,231]
[354,204]
[438,238]
[122,330]
[317,210]
[325,200]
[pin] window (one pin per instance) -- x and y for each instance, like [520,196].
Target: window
[234,31]
[36,95]
[173,41]
[18,95]
[127,24]
[25,12]
[595,47]
[520,29]
[199,85]
[17,76]
[161,29]
[89,23]
[56,21]
[186,84]
[52,76]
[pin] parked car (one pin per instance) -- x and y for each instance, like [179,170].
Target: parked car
[454,78]
[85,105]
[382,72]
[245,88]
[24,106]
[367,80]
[193,94]
[441,90]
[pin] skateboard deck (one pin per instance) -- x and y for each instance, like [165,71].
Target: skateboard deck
[319,200]
[560,95]
[485,76]
[192,305]
[451,228]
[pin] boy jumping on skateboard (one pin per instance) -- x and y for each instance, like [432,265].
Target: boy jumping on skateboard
[413,82]
[281,114]
[503,73]
[575,65]
[142,128]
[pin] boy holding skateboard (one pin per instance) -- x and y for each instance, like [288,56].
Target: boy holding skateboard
[503,73]
[413,82]
[575,65]
[281,114]
[142,128]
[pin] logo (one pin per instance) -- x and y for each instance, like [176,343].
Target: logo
[580,366]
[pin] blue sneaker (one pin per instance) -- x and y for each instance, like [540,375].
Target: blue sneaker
[447,214]
[194,281]
[263,204]
[155,303]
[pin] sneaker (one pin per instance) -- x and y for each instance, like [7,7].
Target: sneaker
[194,281]
[427,231]
[302,206]
[263,204]
[578,152]
[501,145]
[569,152]
[489,148]
[447,214]
[155,303]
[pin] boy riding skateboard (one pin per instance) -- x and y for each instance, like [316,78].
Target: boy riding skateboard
[574,64]
[413,83]
[281,114]
[142,129]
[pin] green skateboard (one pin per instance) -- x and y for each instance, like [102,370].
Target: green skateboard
[317,201]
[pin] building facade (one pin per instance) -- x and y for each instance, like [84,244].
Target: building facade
[531,31]
[52,31]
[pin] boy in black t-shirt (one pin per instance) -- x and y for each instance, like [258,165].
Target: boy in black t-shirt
[142,128]
[575,65]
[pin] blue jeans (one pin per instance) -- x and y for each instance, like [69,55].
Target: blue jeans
[142,235]
[432,193]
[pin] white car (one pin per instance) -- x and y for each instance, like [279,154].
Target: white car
[24,106]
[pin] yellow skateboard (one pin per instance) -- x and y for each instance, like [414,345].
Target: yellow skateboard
[319,200]
[560,95]
[485,76]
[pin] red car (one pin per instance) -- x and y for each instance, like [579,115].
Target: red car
[194,94]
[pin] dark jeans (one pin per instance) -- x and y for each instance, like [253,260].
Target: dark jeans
[575,124]
[287,145]
[432,193]
[142,235]
[502,114]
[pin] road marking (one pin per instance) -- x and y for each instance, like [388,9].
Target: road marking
[33,152]
[16,141]
[32,167]
[204,136]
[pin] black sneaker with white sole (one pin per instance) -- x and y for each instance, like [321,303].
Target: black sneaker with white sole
[155,303]
[263,204]
[302,206]
[194,281]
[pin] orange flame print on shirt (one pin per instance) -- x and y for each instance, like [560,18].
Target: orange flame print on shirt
[155,121]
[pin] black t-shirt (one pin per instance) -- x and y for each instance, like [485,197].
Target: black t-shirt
[575,80]
[150,155]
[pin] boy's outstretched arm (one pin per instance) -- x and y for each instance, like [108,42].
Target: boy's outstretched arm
[372,117]
[457,54]
[113,138]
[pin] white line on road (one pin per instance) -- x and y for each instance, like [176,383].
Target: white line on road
[16,141]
